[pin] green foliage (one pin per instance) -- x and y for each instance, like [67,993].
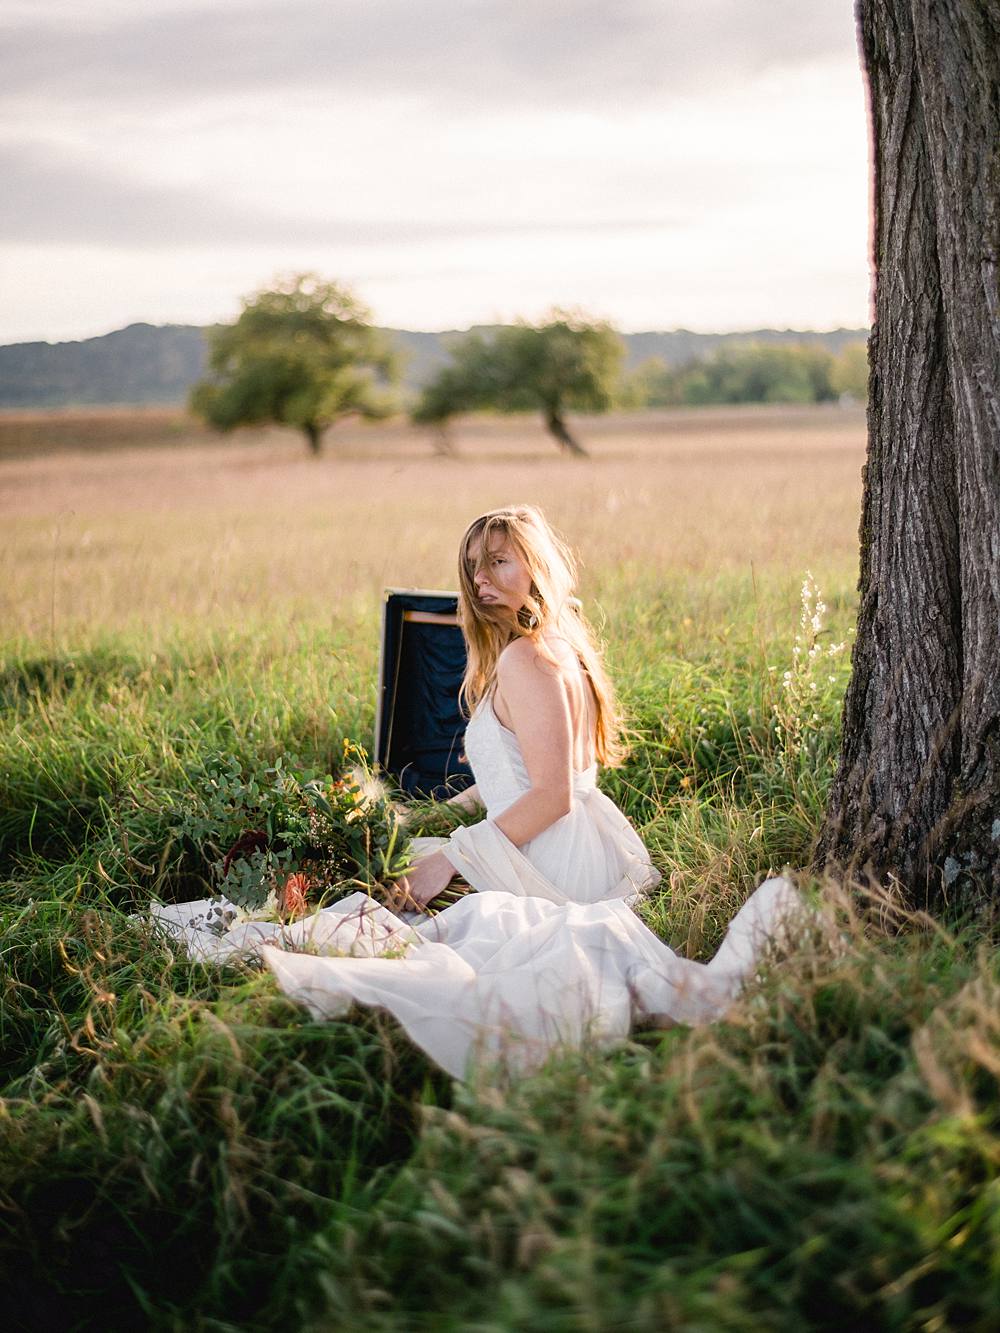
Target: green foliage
[762,375]
[752,373]
[564,363]
[804,1166]
[255,828]
[183,1147]
[302,354]
[195,1146]
[176,1145]
[849,375]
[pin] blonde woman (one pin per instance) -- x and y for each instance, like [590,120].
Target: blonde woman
[548,951]
[543,717]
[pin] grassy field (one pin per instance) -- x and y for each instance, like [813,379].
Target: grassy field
[182,1148]
[158,539]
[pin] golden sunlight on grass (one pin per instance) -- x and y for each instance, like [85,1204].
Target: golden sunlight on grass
[103,532]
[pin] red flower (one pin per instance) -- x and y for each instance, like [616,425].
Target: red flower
[292,902]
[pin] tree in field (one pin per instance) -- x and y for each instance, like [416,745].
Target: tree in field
[301,354]
[566,363]
[917,794]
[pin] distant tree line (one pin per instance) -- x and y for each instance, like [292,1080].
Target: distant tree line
[752,373]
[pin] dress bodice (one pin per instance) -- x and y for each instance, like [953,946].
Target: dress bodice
[590,853]
[494,754]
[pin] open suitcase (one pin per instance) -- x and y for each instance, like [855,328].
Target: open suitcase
[419,728]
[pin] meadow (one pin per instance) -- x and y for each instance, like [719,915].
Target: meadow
[182,1148]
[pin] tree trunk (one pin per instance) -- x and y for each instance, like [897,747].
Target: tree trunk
[556,426]
[918,786]
[314,434]
[444,442]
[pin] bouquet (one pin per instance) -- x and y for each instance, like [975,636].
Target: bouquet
[287,840]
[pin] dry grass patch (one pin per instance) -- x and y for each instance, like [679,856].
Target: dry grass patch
[151,535]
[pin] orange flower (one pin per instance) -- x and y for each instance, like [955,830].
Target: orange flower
[293,896]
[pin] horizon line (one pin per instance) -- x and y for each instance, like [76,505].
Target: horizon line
[393,328]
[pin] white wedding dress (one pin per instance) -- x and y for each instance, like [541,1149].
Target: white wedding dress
[548,951]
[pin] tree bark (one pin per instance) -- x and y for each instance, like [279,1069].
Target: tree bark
[314,434]
[556,425]
[918,785]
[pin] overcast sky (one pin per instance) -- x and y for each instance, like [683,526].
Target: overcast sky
[661,163]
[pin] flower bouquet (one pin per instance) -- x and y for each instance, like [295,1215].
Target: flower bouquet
[282,843]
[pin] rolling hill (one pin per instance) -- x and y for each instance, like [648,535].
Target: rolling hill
[154,364]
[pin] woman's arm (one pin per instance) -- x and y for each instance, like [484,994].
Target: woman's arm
[468,799]
[536,701]
[533,692]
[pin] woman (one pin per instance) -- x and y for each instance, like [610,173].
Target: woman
[543,717]
[547,952]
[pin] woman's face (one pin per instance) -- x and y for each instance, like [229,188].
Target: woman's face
[502,579]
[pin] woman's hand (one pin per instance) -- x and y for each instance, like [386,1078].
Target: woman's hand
[429,877]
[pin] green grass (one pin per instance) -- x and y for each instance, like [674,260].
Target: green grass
[183,1148]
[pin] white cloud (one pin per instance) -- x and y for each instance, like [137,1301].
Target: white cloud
[460,54]
[660,162]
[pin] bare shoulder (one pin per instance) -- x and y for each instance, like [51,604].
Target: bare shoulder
[561,649]
[522,659]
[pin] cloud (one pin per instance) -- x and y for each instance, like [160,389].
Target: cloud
[52,197]
[467,54]
[158,157]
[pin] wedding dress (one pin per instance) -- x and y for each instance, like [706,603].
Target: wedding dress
[548,952]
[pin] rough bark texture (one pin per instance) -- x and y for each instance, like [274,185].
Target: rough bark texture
[918,787]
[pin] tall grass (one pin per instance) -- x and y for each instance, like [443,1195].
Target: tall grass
[183,1148]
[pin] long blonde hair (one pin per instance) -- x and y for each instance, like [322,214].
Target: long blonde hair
[550,605]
